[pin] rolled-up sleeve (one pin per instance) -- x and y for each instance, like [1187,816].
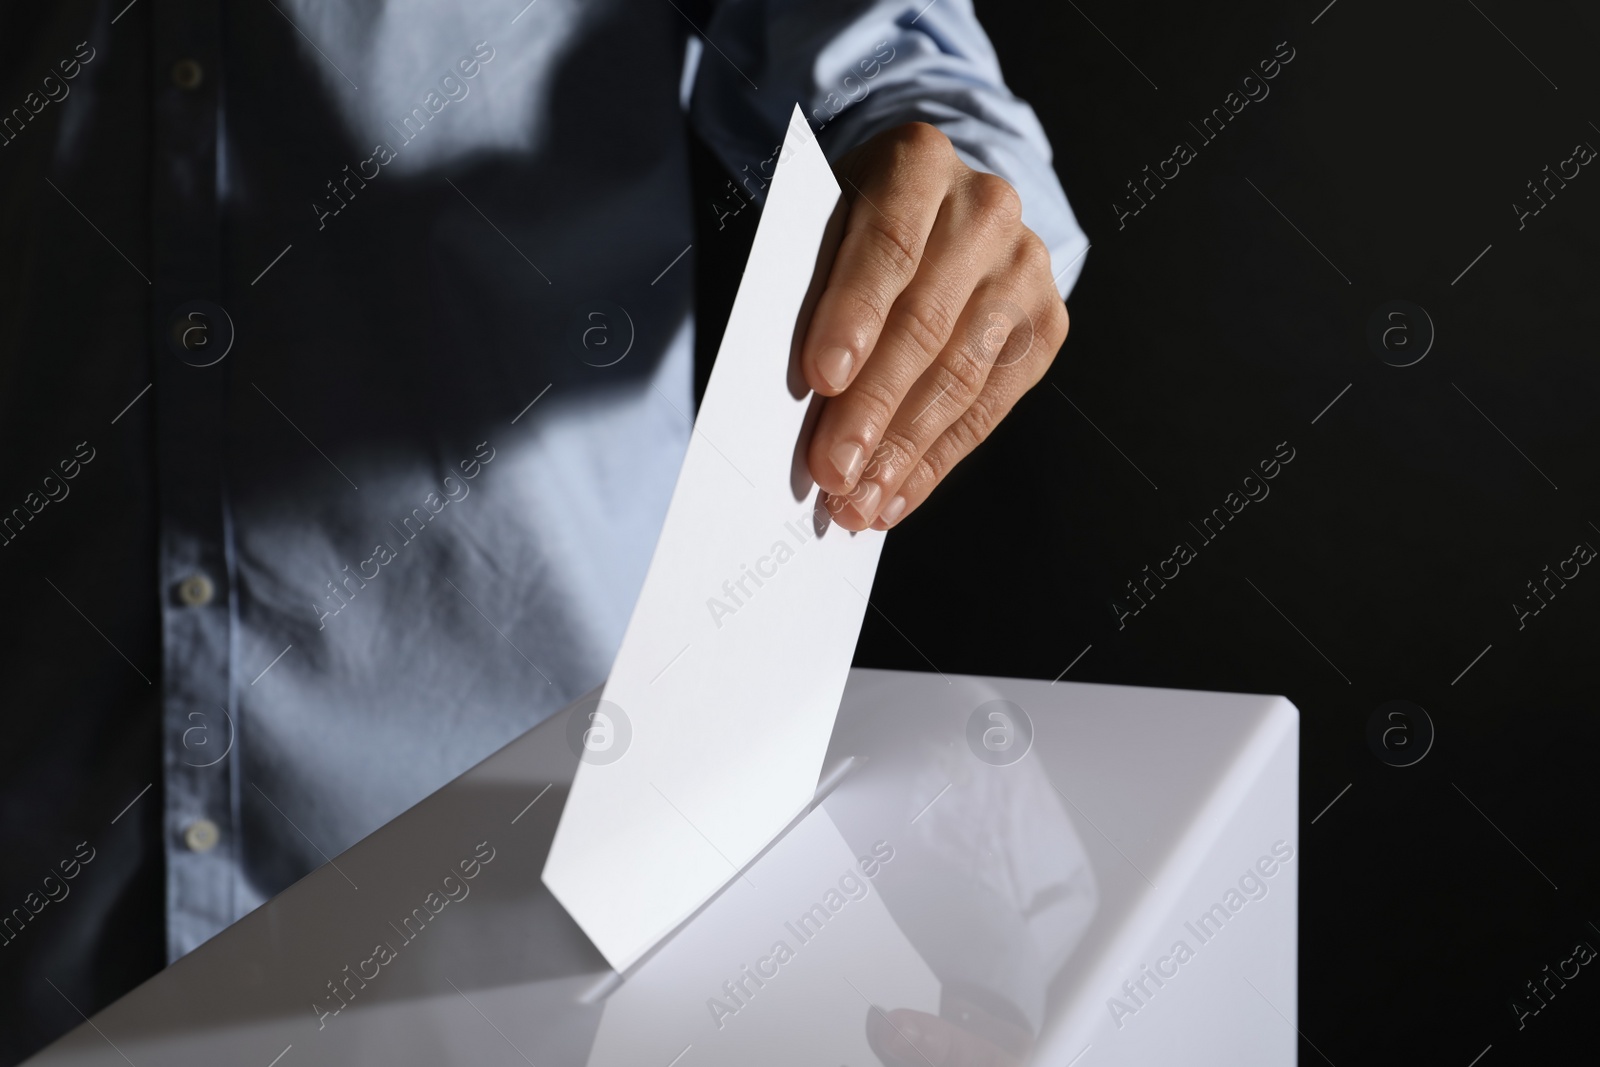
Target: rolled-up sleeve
[857,69]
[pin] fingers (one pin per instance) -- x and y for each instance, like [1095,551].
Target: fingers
[905,1038]
[939,312]
[969,231]
[892,212]
[999,352]
[942,391]
[1006,384]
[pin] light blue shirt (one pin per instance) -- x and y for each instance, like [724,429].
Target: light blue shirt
[374,321]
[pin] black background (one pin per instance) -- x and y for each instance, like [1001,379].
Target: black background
[1207,330]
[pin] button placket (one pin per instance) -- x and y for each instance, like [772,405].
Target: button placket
[191,335]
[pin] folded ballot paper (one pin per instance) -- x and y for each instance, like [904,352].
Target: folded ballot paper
[710,732]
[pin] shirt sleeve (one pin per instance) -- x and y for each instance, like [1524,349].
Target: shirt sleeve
[857,68]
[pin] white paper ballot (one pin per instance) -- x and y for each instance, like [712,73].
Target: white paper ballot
[723,694]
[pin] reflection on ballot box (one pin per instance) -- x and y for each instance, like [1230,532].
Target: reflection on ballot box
[994,871]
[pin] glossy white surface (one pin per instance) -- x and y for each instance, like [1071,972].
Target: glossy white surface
[1034,889]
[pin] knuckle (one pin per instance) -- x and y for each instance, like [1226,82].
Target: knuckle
[1060,322]
[1007,328]
[972,428]
[994,198]
[895,452]
[935,464]
[1053,324]
[875,400]
[1033,255]
[895,245]
[922,139]
[967,433]
[928,321]
[968,367]
[865,304]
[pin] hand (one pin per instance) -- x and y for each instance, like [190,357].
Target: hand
[963,1035]
[938,314]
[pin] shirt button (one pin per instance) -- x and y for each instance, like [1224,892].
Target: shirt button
[201,835]
[187,74]
[195,591]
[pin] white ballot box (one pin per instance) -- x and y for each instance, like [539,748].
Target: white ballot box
[1065,874]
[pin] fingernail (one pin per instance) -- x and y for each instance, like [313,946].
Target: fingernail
[848,457]
[865,499]
[893,510]
[835,364]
